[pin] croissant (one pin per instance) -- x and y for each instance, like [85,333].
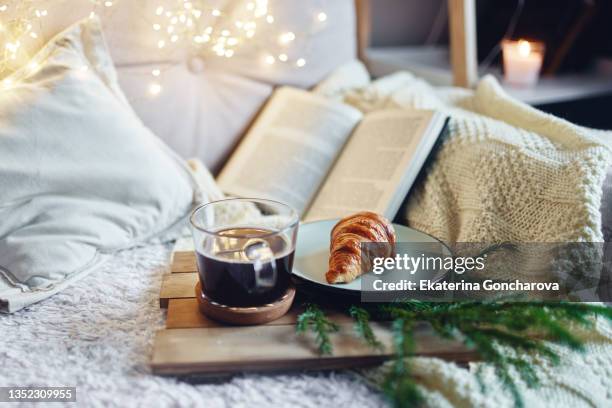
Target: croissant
[345,246]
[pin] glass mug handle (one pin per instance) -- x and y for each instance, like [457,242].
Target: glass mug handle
[264,263]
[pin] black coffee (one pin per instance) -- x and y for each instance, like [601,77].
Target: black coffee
[227,267]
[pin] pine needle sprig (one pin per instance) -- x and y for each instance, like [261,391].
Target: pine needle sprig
[506,335]
[398,385]
[363,328]
[314,319]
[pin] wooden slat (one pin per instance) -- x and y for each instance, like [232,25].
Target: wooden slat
[177,286]
[364,27]
[462,30]
[183,261]
[226,350]
[184,313]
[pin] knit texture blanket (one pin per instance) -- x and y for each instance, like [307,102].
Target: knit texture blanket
[506,172]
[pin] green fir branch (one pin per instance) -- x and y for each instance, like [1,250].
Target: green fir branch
[363,328]
[314,318]
[399,386]
[506,335]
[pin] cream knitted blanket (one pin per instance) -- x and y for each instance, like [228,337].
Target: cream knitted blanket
[506,172]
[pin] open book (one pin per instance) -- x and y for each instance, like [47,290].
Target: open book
[327,159]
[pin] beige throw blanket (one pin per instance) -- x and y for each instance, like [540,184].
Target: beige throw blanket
[506,172]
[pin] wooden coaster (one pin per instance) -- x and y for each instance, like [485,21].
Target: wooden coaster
[245,316]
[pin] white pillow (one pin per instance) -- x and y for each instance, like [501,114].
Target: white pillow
[80,176]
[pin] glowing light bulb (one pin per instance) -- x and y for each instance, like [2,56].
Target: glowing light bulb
[12,47]
[108,4]
[159,11]
[269,59]
[7,82]
[216,13]
[270,19]
[156,27]
[229,53]
[300,62]
[321,16]
[33,66]
[3,8]
[286,38]
[161,44]
[156,72]
[155,88]
[174,38]
[283,57]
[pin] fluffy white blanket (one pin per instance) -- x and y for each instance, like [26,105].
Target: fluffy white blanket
[97,336]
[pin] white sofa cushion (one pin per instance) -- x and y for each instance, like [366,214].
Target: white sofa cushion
[81,177]
[204,108]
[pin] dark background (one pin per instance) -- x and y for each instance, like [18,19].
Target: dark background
[418,22]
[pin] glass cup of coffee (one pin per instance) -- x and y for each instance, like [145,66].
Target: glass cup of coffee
[244,250]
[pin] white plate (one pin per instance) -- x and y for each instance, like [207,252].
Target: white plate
[312,252]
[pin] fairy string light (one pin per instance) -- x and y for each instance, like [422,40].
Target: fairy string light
[208,31]
[21,27]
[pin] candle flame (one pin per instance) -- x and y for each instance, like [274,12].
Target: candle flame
[524,48]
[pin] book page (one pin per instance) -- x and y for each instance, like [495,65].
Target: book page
[374,168]
[290,149]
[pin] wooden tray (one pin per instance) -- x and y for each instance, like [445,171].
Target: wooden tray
[193,344]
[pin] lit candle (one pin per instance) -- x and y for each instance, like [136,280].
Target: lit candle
[522,61]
